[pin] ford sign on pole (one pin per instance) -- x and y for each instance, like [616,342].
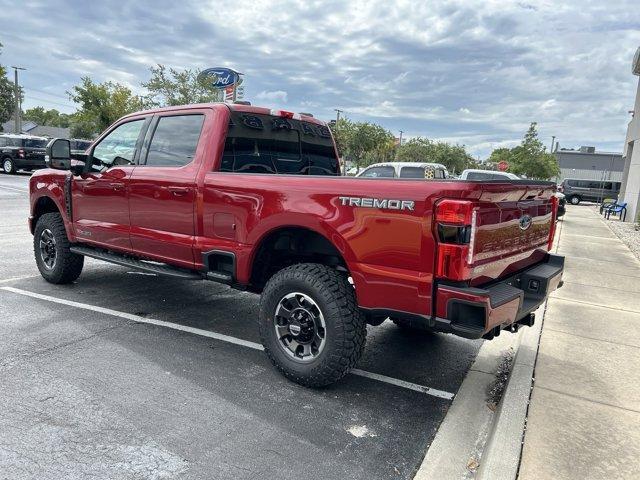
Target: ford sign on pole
[219,78]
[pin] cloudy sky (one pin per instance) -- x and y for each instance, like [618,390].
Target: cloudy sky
[476,73]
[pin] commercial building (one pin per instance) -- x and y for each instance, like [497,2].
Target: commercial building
[630,189]
[586,163]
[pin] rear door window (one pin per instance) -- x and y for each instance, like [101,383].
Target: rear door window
[380,172]
[412,172]
[35,143]
[174,141]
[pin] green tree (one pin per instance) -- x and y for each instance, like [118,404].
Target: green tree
[101,104]
[7,99]
[172,87]
[363,143]
[502,154]
[420,149]
[531,159]
[52,118]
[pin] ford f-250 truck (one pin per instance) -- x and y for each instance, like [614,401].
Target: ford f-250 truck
[253,198]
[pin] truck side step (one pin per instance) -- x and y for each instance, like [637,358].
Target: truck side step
[157,268]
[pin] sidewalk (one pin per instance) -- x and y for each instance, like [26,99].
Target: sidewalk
[584,415]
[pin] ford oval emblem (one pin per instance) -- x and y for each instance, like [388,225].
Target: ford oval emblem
[218,77]
[525,222]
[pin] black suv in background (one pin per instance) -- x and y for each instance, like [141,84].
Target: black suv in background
[24,152]
[576,190]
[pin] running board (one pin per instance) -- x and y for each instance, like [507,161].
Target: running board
[157,268]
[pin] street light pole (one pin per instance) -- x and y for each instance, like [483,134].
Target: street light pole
[16,94]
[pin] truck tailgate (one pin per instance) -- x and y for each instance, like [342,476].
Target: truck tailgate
[512,228]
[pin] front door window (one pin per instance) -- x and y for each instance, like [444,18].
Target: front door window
[118,147]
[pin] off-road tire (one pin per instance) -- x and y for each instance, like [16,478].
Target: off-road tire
[12,170]
[68,265]
[345,330]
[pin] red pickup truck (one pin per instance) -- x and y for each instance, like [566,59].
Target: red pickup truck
[253,198]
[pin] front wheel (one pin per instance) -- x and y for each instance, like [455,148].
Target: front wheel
[8,166]
[310,324]
[56,262]
[575,200]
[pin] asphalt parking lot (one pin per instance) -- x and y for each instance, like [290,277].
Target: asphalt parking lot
[95,384]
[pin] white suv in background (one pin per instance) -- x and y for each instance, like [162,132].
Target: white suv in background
[472,174]
[424,170]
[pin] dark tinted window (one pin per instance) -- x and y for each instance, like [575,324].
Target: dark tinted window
[485,176]
[174,141]
[35,143]
[412,172]
[380,172]
[80,144]
[268,144]
[3,142]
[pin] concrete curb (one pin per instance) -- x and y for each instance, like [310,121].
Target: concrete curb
[501,457]
[457,447]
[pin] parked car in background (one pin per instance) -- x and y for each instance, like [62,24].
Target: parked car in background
[21,152]
[577,190]
[405,170]
[562,204]
[474,174]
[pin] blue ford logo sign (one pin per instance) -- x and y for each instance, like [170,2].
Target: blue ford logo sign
[525,222]
[218,77]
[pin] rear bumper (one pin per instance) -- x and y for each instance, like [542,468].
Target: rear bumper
[482,312]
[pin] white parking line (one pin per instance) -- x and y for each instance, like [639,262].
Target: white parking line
[224,338]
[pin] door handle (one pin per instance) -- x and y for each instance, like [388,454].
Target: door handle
[179,191]
[117,185]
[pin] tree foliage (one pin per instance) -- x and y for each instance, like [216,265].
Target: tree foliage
[52,118]
[7,99]
[172,87]
[363,143]
[530,158]
[101,104]
[420,149]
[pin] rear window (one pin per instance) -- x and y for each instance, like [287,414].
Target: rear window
[412,172]
[380,172]
[266,144]
[35,143]
[486,176]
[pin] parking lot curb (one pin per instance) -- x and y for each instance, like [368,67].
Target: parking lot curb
[457,447]
[501,457]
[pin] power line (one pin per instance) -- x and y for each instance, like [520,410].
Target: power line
[52,102]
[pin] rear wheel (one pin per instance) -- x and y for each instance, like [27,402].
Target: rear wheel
[310,324]
[575,200]
[51,248]
[8,166]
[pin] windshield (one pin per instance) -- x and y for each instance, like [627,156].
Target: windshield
[267,144]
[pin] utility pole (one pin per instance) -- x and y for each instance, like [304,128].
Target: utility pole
[16,94]
[400,142]
[338,112]
[553,140]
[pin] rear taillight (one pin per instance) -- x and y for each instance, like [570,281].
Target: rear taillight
[455,225]
[21,153]
[554,216]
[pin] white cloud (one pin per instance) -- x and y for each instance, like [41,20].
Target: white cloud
[273,97]
[473,71]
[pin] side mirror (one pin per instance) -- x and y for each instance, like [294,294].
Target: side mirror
[58,154]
